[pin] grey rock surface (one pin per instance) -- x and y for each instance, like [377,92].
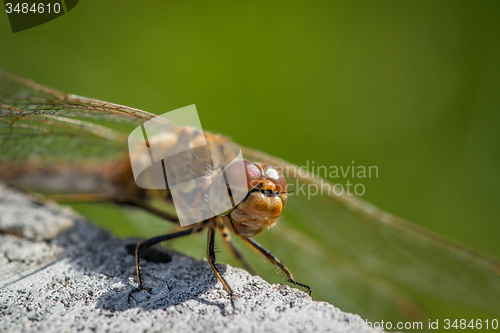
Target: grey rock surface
[60,273]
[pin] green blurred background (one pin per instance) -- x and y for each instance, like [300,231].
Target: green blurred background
[411,87]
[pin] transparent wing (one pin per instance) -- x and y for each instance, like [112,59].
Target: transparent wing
[21,97]
[43,127]
[370,262]
[43,131]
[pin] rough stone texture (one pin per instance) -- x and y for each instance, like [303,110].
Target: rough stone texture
[59,273]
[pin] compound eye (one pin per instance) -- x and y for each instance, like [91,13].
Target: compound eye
[254,174]
[270,173]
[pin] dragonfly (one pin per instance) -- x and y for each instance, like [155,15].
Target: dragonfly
[353,254]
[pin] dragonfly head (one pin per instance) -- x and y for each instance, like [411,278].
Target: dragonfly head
[264,203]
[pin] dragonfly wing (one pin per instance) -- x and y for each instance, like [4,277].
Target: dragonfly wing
[43,130]
[21,97]
[359,255]
[39,121]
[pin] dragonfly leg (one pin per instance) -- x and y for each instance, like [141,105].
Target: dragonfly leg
[272,258]
[148,208]
[226,237]
[79,197]
[150,242]
[98,197]
[211,261]
[64,198]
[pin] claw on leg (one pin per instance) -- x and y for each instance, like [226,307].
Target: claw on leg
[272,258]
